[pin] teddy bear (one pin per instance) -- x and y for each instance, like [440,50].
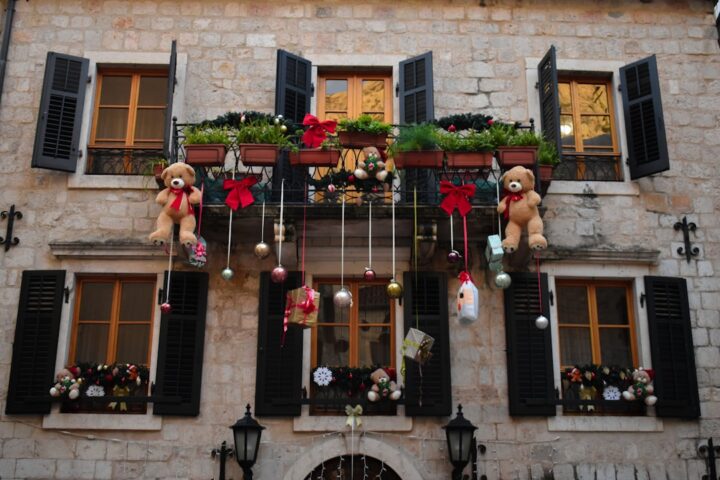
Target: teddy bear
[519,208]
[642,387]
[371,165]
[383,387]
[66,384]
[177,200]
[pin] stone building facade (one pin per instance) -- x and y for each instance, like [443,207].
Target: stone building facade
[485,58]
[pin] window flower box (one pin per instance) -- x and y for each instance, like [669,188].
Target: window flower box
[469,159]
[258,154]
[419,159]
[362,139]
[315,157]
[509,157]
[205,155]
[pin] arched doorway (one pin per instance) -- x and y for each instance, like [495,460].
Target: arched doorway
[361,466]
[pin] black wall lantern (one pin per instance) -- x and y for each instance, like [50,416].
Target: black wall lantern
[462,447]
[247,432]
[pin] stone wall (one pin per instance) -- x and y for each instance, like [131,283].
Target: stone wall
[479,52]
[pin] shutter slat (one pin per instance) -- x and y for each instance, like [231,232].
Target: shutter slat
[671,345]
[549,98]
[529,349]
[644,123]
[416,89]
[36,338]
[293,88]
[425,306]
[181,344]
[279,368]
[60,116]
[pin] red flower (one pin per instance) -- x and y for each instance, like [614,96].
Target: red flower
[490,122]
[452,128]
[351,178]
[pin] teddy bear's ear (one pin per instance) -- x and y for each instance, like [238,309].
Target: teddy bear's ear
[165,173]
[531,178]
[189,170]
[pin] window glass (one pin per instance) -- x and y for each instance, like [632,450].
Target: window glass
[150,125]
[153,91]
[593,98]
[92,340]
[615,346]
[96,302]
[572,305]
[612,305]
[575,347]
[115,90]
[132,343]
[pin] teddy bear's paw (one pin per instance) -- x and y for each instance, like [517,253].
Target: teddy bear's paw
[158,242]
[373,397]
[537,242]
[509,248]
[651,400]
[395,395]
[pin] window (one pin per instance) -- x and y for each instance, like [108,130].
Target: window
[128,121]
[349,95]
[113,320]
[596,323]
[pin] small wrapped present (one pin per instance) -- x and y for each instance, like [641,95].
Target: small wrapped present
[417,346]
[301,306]
[468,303]
[493,249]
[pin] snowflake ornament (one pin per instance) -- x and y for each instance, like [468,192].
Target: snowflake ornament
[322,376]
[95,391]
[611,393]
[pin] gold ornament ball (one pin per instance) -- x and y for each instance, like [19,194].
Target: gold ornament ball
[262,250]
[394,289]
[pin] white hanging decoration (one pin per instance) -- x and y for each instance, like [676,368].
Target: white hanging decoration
[468,303]
[279,274]
[343,297]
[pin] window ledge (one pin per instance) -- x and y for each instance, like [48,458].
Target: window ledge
[99,421]
[604,424]
[566,187]
[131,182]
[323,423]
[114,250]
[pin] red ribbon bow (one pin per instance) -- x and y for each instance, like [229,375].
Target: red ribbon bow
[456,197]
[465,277]
[179,194]
[306,306]
[508,199]
[239,194]
[317,131]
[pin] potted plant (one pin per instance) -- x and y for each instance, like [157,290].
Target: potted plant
[515,147]
[416,146]
[363,132]
[327,155]
[154,167]
[206,146]
[467,149]
[260,141]
[548,158]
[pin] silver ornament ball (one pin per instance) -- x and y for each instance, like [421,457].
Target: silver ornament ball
[279,274]
[227,273]
[343,298]
[262,250]
[502,280]
[542,322]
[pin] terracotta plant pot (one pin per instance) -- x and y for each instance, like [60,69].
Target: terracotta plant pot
[258,154]
[546,172]
[469,159]
[315,157]
[509,157]
[362,139]
[210,155]
[421,159]
[157,172]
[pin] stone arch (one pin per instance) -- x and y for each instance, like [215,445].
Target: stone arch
[340,445]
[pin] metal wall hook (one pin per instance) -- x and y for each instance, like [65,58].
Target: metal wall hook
[9,240]
[689,251]
[710,453]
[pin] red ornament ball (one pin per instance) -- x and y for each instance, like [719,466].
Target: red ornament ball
[165,308]
[279,274]
[351,178]
[453,256]
[331,188]
[369,274]
[452,128]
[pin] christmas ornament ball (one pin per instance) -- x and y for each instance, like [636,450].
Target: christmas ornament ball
[279,274]
[227,273]
[165,308]
[394,289]
[542,322]
[331,188]
[369,274]
[343,298]
[502,280]
[262,250]
[453,256]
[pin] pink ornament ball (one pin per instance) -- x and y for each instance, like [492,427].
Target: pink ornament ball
[279,274]
[369,274]
[165,308]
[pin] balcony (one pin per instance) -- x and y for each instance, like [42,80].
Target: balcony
[122,161]
[604,167]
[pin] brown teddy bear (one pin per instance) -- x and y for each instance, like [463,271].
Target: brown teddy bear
[519,207]
[177,201]
[383,387]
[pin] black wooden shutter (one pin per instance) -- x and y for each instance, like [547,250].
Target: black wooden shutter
[172,67]
[549,98]
[671,345]
[293,87]
[60,116]
[181,344]
[416,90]
[278,382]
[35,344]
[426,308]
[644,123]
[529,349]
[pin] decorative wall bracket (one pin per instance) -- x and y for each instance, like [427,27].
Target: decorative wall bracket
[9,240]
[710,453]
[689,251]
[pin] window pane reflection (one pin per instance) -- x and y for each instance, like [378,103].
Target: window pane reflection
[374,346]
[593,98]
[612,306]
[328,312]
[153,91]
[91,343]
[115,90]
[333,346]
[336,95]
[96,303]
[596,131]
[373,96]
[615,346]
[575,346]
[573,305]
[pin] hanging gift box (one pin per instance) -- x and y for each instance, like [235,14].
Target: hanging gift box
[301,306]
[493,249]
[467,299]
[496,266]
[417,346]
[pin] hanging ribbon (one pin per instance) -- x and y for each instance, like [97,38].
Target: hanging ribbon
[179,194]
[456,197]
[317,131]
[537,263]
[508,198]
[353,416]
[239,194]
[118,391]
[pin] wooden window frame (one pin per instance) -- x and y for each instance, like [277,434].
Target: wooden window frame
[129,141]
[114,322]
[593,325]
[354,79]
[354,323]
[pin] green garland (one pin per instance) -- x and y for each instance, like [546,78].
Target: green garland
[345,178]
[352,380]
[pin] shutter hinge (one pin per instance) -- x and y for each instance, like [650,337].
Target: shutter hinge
[312,89]
[89,80]
[627,160]
[537,85]
[642,300]
[619,87]
[397,90]
[160,296]
[552,297]
[66,291]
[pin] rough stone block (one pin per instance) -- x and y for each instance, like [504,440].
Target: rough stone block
[34,468]
[75,469]
[91,449]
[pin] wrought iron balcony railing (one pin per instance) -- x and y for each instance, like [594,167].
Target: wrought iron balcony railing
[122,161]
[604,167]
